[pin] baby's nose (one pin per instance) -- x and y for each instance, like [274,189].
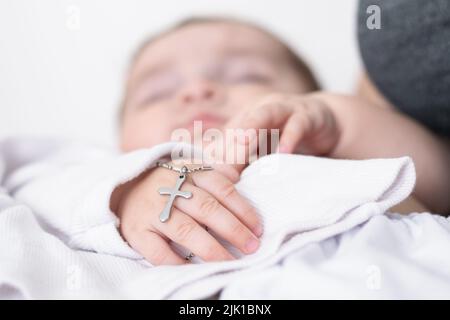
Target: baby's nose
[199,91]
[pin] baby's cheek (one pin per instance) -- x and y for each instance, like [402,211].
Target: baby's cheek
[143,132]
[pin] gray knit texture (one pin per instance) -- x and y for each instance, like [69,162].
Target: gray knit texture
[408,59]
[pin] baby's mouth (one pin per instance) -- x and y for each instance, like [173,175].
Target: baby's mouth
[205,121]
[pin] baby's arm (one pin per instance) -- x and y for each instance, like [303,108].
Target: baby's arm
[346,127]
[367,131]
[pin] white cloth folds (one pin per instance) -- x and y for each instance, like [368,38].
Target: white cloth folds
[59,239]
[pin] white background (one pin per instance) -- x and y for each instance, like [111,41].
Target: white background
[60,80]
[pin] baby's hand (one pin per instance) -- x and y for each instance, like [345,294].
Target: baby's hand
[307,125]
[215,203]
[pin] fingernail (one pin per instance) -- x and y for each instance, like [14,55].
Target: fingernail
[259,230]
[251,245]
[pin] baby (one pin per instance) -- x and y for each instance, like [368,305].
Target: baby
[230,74]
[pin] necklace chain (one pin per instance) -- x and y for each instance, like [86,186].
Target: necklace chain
[183,169]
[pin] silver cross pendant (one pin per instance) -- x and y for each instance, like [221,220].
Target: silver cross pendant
[173,193]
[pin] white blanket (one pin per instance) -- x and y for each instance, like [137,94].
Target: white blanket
[326,231]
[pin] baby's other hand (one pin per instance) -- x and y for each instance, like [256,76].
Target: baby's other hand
[307,125]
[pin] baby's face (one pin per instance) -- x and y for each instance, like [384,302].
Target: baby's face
[202,72]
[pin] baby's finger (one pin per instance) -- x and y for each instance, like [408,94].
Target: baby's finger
[205,209]
[218,160]
[272,112]
[268,114]
[182,229]
[224,191]
[293,132]
[241,151]
[155,249]
[228,171]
